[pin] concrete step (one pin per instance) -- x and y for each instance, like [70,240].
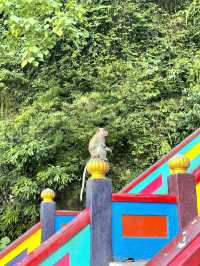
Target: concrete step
[135,263]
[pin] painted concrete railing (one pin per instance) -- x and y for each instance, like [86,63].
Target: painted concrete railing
[23,246]
[31,240]
[68,247]
[142,225]
[117,226]
[154,179]
[184,250]
[64,217]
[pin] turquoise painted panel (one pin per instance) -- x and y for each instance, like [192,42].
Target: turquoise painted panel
[62,220]
[194,164]
[141,247]
[163,189]
[77,247]
[163,169]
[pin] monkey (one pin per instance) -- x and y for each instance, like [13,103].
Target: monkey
[97,146]
[98,150]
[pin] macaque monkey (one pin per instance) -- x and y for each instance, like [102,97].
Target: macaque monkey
[98,150]
[97,145]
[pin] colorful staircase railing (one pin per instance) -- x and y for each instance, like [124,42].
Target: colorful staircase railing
[154,179]
[142,224]
[118,224]
[63,218]
[184,250]
[32,239]
[69,246]
[22,247]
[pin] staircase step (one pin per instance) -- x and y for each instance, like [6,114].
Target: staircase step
[135,263]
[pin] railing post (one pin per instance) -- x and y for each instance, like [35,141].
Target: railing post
[183,185]
[47,213]
[99,200]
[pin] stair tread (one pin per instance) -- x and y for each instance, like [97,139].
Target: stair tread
[135,263]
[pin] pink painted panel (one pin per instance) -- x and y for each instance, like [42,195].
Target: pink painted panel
[64,261]
[153,186]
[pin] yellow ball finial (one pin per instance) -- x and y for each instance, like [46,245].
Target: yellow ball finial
[48,195]
[97,168]
[179,164]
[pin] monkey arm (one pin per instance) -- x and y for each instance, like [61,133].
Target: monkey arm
[108,149]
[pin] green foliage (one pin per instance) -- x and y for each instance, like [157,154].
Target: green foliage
[172,5]
[4,242]
[70,67]
[32,28]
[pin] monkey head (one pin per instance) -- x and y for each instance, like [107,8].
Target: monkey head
[102,131]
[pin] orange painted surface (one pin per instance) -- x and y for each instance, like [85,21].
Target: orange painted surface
[144,226]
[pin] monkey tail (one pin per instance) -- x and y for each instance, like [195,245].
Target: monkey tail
[83,183]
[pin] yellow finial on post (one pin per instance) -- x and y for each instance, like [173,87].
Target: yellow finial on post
[48,195]
[179,164]
[97,168]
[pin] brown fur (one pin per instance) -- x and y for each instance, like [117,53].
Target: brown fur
[97,146]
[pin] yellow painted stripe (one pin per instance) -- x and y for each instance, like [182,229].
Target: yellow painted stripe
[30,244]
[191,154]
[35,242]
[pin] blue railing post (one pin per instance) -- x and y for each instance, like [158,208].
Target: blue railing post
[47,213]
[99,200]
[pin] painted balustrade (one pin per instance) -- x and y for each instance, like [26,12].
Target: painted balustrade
[64,217]
[84,241]
[152,221]
[99,200]
[184,250]
[154,179]
[69,247]
[47,213]
[51,222]
[22,247]
[118,226]
[183,186]
[142,224]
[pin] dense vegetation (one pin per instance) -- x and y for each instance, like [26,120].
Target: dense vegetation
[68,67]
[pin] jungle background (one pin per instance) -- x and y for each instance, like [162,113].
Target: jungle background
[69,67]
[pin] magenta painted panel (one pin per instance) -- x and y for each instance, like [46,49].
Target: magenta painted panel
[64,261]
[153,186]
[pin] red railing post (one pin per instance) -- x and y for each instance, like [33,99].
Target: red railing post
[183,185]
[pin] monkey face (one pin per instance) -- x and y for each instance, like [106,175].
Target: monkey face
[103,131]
